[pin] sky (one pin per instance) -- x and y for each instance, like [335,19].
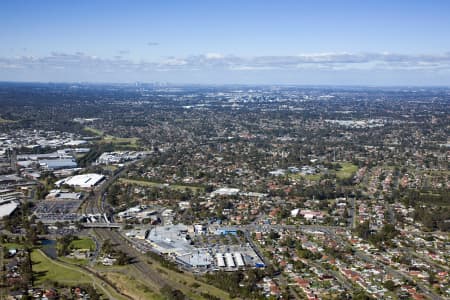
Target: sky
[318,42]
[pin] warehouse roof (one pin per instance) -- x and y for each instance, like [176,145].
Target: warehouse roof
[84,180]
[8,208]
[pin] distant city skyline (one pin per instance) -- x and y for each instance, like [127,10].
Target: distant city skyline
[384,42]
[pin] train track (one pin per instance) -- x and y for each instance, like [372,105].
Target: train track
[142,269]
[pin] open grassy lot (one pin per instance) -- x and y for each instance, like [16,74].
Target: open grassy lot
[157,184]
[93,131]
[133,287]
[111,168]
[8,246]
[347,170]
[83,243]
[4,121]
[116,141]
[189,281]
[120,141]
[73,261]
[314,177]
[46,269]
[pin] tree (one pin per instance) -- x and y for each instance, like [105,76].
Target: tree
[40,228]
[172,294]
[273,235]
[122,258]
[32,236]
[390,285]
[363,230]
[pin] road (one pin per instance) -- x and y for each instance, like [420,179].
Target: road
[426,259]
[397,273]
[255,247]
[361,255]
[94,256]
[95,204]
[336,275]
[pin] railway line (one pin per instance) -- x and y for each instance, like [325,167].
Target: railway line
[141,269]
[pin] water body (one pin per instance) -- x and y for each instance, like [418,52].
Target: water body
[49,248]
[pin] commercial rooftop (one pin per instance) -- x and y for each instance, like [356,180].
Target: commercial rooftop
[225,192]
[11,178]
[199,258]
[170,239]
[83,181]
[8,208]
[56,164]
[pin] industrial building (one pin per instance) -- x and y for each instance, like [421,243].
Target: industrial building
[86,181]
[170,240]
[57,164]
[230,260]
[109,158]
[225,192]
[225,231]
[9,201]
[63,195]
[198,259]
[6,209]
[220,261]
[10,179]
[8,195]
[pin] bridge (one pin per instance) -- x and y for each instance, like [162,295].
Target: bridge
[101,225]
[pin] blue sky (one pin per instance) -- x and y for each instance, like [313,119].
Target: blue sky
[302,42]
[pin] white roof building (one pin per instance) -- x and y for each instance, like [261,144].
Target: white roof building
[8,208]
[83,181]
[225,192]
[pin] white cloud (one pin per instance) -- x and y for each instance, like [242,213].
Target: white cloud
[217,61]
[214,56]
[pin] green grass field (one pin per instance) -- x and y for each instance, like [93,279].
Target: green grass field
[116,141]
[314,177]
[347,170]
[127,282]
[93,131]
[8,246]
[4,121]
[134,287]
[83,243]
[45,269]
[73,261]
[157,184]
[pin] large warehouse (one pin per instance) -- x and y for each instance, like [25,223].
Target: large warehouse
[6,209]
[83,181]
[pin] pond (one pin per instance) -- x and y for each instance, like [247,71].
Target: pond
[49,248]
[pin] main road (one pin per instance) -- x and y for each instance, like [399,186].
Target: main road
[361,255]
